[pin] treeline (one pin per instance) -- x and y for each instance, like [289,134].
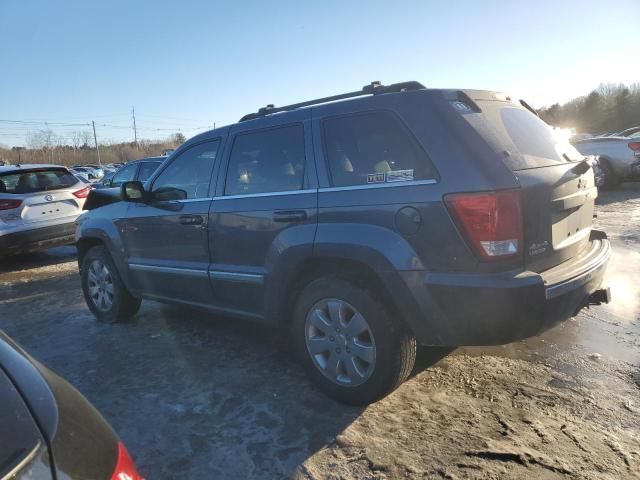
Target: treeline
[41,150]
[608,108]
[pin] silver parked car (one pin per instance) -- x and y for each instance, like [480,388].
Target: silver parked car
[619,157]
[38,207]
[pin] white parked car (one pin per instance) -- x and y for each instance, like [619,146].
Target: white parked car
[619,157]
[38,207]
[85,173]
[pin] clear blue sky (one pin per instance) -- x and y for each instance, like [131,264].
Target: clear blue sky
[186,64]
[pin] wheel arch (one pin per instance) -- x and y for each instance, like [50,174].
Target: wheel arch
[381,284]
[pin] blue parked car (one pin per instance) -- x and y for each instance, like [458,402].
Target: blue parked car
[362,224]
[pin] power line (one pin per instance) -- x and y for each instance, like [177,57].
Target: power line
[59,124]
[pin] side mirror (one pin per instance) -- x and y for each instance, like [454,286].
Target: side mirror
[132,191]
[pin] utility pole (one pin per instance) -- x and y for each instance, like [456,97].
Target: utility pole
[95,139]
[135,131]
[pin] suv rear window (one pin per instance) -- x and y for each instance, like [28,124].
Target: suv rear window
[33,181]
[373,148]
[537,142]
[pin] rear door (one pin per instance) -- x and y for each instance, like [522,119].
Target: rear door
[558,188]
[167,240]
[265,208]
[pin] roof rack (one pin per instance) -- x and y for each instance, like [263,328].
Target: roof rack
[375,88]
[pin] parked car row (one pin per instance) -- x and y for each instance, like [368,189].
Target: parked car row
[39,204]
[348,225]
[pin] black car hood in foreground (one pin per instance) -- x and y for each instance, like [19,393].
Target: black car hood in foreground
[20,440]
[81,444]
[101,197]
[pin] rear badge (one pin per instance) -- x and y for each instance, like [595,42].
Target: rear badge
[48,198]
[538,248]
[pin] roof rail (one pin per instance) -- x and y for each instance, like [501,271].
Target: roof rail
[375,88]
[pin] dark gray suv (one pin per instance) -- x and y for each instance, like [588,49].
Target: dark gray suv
[364,223]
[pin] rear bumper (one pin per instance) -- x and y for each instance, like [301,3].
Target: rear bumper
[494,309]
[37,238]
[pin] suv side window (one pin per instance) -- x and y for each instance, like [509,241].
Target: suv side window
[189,175]
[147,169]
[266,161]
[125,174]
[373,148]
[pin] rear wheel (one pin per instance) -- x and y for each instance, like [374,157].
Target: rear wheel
[348,342]
[610,178]
[106,295]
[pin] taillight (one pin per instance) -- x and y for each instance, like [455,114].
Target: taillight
[491,222]
[9,204]
[125,469]
[635,146]
[84,193]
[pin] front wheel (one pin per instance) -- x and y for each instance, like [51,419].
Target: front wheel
[348,342]
[104,291]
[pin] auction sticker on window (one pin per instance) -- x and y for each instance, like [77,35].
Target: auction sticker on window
[375,178]
[400,175]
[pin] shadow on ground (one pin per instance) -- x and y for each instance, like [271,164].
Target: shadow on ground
[28,261]
[622,193]
[192,395]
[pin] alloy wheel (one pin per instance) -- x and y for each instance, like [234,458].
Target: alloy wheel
[340,342]
[100,285]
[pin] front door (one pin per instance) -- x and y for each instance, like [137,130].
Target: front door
[264,210]
[166,240]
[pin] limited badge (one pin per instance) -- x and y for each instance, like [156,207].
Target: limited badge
[375,178]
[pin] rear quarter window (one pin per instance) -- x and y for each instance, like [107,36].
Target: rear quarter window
[531,142]
[371,148]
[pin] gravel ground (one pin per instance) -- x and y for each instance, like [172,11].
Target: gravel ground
[195,396]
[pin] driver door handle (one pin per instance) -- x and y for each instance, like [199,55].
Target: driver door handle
[191,220]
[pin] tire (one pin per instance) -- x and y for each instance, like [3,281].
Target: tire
[610,178]
[104,291]
[354,363]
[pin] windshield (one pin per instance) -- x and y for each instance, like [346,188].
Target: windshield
[33,181]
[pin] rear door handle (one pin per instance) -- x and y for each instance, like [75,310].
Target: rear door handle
[191,219]
[289,216]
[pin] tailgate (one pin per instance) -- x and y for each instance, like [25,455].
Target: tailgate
[557,206]
[37,207]
[558,187]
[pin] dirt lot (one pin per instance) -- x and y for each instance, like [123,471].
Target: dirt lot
[200,397]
